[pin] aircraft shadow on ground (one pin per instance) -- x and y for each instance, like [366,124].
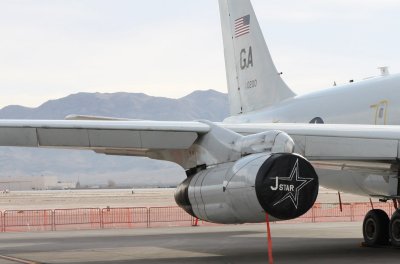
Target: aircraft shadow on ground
[222,247]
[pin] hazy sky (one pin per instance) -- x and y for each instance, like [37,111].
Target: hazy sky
[52,48]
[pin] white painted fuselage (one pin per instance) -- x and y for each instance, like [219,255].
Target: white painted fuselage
[374,101]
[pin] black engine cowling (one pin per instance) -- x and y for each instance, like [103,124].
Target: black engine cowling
[283,185]
[286,186]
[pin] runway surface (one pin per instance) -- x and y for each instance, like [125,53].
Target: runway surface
[292,243]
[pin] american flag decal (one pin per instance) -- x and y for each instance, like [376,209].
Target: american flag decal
[242,26]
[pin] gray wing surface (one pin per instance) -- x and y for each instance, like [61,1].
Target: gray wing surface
[353,158]
[145,138]
[335,142]
[97,135]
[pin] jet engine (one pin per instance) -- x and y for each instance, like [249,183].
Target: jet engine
[283,185]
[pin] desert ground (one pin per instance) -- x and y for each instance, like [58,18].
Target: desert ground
[65,199]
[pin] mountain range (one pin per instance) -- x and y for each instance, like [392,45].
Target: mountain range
[91,168]
[210,105]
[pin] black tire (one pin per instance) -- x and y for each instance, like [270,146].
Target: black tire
[395,229]
[376,228]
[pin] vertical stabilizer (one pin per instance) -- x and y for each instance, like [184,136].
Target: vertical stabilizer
[253,81]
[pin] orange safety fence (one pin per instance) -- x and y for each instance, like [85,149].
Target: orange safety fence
[169,216]
[27,220]
[141,217]
[360,209]
[331,213]
[125,217]
[80,218]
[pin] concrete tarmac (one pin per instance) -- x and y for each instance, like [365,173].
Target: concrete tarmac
[292,243]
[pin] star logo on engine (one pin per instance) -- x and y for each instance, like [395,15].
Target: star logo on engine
[292,185]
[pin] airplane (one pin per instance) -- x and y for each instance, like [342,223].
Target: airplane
[273,153]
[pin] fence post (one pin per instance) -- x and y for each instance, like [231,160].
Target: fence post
[52,220]
[101,218]
[55,222]
[352,218]
[313,214]
[148,216]
[195,221]
[4,220]
[391,206]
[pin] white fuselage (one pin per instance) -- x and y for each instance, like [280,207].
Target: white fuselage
[374,101]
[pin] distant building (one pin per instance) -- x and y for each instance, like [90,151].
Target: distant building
[34,183]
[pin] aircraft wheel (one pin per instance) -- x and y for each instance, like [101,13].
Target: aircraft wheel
[395,229]
[376,228]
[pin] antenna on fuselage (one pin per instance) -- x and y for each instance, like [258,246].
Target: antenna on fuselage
[384,70]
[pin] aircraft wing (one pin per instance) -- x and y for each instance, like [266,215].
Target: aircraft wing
[100,134]
[359,142]
[333,148]
[333,142]
[356,142]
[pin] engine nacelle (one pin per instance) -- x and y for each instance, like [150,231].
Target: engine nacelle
[283,185]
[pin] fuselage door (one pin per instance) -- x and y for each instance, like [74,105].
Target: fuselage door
[380,112]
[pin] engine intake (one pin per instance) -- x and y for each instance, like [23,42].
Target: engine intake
[283,185]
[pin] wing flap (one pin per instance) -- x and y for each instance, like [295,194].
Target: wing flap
[104,138]
[167,140]
[360,148]
[18,137]
[101,134]
[52,137]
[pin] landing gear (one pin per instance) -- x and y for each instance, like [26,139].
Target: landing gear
[376,228]
[395,229]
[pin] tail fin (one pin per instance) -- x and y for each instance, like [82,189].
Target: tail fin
[253,81]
